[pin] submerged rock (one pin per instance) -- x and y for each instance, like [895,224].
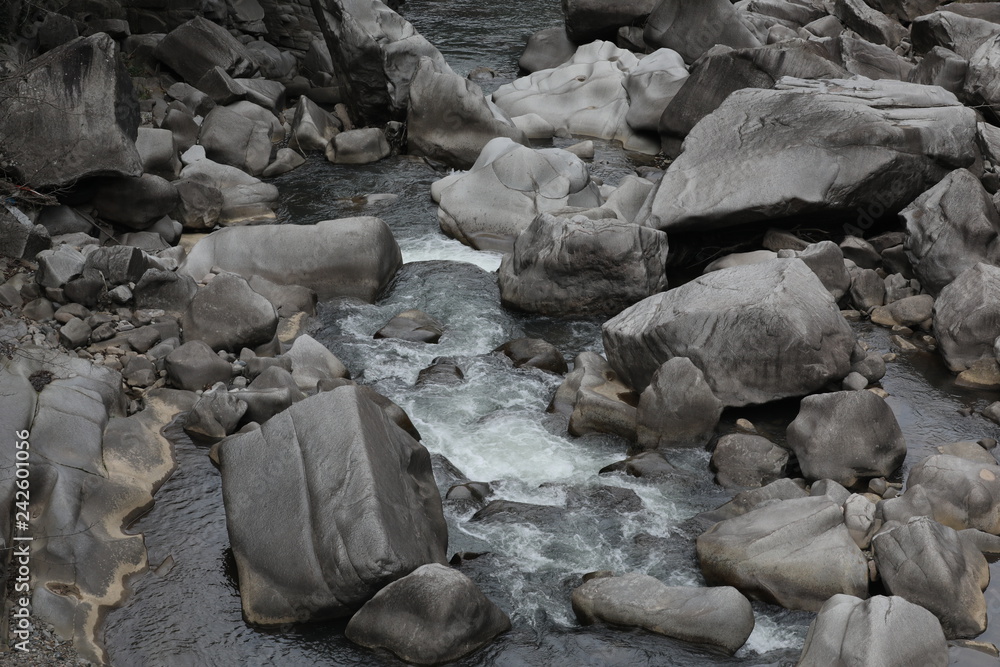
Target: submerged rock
[435,614]
[719,617]
[342,533]
[719,322]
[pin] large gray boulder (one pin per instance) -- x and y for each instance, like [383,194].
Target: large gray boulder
[723,71]
[961,34]
[449,119]
[73,114]
[931,565]
[982,83]
[967,317]
[587,20]
[434,615]
[955,492]
[233,139]
[571,264]
[885,631]
[846,436]
[719,617]
[691,28]
[342,532]
[808,159]
[678,408]
[196,47]
[379,52]
[245,198]
[950,228]
[868,22]
[795,553]
[584,96]
[651,85]
[488,206]
[546,49]
[355,257]
[227,315]
[759,333]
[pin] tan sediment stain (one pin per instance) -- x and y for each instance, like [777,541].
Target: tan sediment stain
[987,475]
[135,471]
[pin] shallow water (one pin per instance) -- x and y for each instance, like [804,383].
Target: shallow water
[492,427]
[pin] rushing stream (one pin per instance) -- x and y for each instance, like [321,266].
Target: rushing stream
[493,427]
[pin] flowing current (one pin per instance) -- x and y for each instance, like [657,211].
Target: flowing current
[493,427]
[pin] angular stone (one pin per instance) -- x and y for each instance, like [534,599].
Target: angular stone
[717,318]
[795,553]
[363,526]
[572,264]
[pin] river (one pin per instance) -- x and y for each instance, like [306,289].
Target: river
[493,428]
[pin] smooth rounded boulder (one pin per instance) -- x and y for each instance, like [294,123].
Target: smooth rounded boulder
[967,317]
[651,85]
[341,533]
[930,565]
[584,96]
[678,408]
[228,315]
[352,257]
[759,333]
[950,228]
[546,49]
[884,631]
[846,436]
[959,493]
[488,206]
[449,119]
[435,614]
[794,553]
[720,617]
[572,264]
